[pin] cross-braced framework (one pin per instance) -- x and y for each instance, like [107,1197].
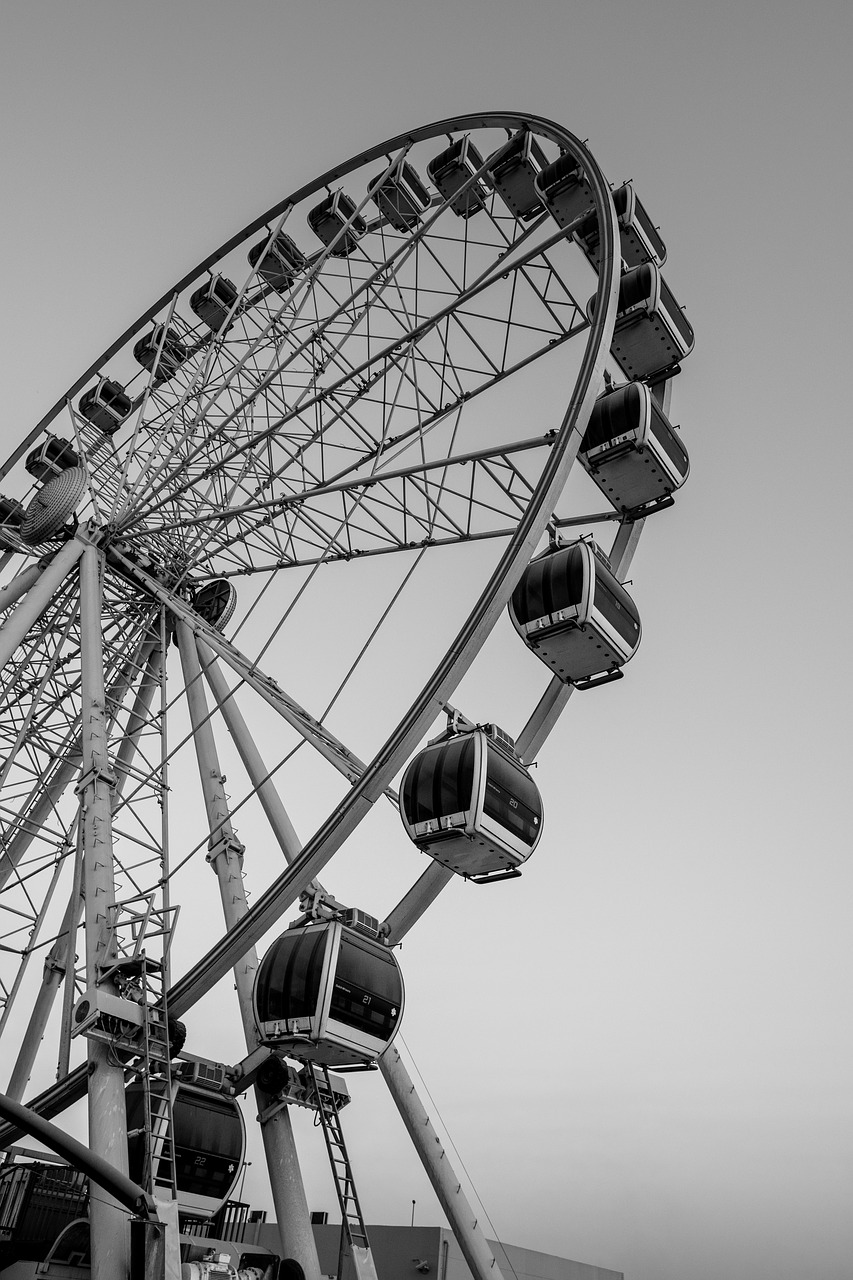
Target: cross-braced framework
[415,382]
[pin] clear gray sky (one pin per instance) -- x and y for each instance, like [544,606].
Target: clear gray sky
[660,1083]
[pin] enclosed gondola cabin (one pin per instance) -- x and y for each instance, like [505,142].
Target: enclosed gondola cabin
[631,450]
[564,190]
[106,406]
[514,175]
[209,1136]
[652,332]
[639,239]
[51,458]
[454,173]
[335,222]
[572,612]
[326,993]
[212,302]
[277,262]
[400,196]
[162,349]
[468,801]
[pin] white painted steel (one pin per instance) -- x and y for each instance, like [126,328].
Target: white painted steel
[226,858]
[110,1232]
[445,1183]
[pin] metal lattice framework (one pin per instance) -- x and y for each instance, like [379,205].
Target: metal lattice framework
[420,394]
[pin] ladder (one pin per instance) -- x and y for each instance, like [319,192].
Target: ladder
[142,978]
[159,1120]
[355,1246]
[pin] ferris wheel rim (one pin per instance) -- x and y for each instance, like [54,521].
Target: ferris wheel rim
[508,120]
[532,523]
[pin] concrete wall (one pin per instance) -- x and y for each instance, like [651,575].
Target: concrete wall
[399,1251]
[525,1264]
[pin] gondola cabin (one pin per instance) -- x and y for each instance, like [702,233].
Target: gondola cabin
[329,994]
[514,175]
[212,302]
[278,262]
[468,801]
[631,450]
[335,222]
[161,347]
[573,613]
[453,172]
[639,239]
[106,406]
[400,196]
[51,458]
[564,190]
[652,332]
[209,1136]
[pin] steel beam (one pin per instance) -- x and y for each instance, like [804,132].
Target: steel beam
[410,909]
[107,1117]
[445,1183]
[38,597]
[226,858]
[19,586]
[259,775]
[133,1197]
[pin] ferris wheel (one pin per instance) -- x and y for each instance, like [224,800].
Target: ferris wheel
[272,528]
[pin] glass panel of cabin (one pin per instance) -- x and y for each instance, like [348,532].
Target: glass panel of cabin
[289,977]
[368,989]
[208,1144]
[512,797]
[669,442]
[441,782]
[679,320]
[612,600]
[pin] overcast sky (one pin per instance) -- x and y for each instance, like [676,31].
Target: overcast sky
[642,1050]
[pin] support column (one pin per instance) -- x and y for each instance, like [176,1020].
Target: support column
[54,972]
[226,858]
[19,586]
[107,1118]
[460,1215]
[38,597]
[277,815]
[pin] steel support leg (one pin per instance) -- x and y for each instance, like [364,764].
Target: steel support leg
[19,586]
[452,1199]
[410,909]
[37,598]
[54,972]
[226,858]
[277,815]
[107,1118]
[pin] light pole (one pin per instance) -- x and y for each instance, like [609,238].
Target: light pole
[246,1165]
